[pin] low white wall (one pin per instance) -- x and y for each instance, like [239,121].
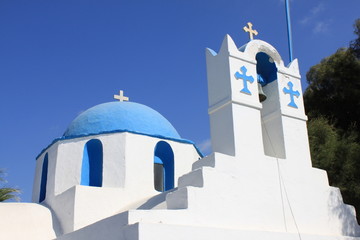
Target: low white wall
[25,221]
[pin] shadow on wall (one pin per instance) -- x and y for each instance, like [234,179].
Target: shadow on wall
[344,213]
[57,227]
[156,200]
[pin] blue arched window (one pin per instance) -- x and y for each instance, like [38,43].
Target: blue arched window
[163,167]
[265,68]
[43,183]
[92,164]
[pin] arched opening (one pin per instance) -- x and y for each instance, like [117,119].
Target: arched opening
[272,131]
[92,164]
[43,183]
[163,167]
[265,68]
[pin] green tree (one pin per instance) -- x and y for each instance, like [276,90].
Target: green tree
[332,102]
[323,139]
[339,155]
[7,193]
[334,90]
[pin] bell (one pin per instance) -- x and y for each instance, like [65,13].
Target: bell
[262,96]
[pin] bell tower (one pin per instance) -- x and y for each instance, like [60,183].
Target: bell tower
[245,125]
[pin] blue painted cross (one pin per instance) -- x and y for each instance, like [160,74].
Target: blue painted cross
[245,79]
[292,93]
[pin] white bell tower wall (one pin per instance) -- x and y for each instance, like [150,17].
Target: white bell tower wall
[234,117]
[240,124]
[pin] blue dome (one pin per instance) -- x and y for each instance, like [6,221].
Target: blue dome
[121,116]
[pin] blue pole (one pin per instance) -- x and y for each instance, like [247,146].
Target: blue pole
[287,8]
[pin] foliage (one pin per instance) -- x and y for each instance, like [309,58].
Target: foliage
[334,90]
[323,140]
[339,155]
[355,45]
[332,103]
[7,193]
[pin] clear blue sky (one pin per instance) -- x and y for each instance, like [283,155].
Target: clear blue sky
[60,57]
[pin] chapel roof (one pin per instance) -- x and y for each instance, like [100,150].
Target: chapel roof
[121,116]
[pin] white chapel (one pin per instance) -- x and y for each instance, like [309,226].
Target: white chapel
[121,171]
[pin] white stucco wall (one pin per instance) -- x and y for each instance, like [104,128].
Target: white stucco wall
[227,197]
[20,221]
[261,195]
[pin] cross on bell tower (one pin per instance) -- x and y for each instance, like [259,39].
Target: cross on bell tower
[251,31]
